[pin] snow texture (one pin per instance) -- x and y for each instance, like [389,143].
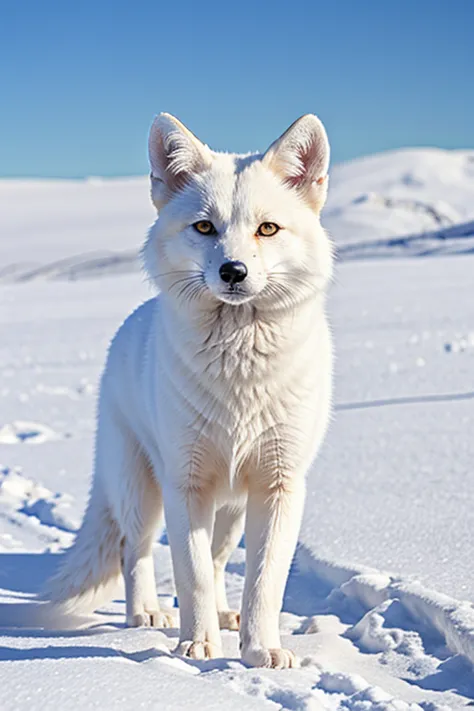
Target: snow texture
[379,603]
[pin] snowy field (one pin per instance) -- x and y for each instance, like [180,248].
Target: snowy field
[379,604]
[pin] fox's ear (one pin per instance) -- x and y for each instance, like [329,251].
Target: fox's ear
[175,155]
[300,157]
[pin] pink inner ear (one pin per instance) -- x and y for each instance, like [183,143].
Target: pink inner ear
[295,181]
[174,179]
[308,159]
[157,155]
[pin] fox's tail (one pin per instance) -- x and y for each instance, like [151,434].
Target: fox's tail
[87,577]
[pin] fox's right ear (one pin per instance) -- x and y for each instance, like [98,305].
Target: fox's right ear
[175,155]
[300,158]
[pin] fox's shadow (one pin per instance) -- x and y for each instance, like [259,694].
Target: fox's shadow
[22,577]
[26,573]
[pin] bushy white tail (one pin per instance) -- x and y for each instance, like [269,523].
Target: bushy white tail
[90,569]
[87,577]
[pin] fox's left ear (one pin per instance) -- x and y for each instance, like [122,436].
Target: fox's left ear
[300,157]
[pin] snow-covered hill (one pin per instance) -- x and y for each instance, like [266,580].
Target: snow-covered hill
[398,193]
[393,489]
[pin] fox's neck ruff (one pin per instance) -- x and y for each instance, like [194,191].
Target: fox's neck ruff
[238,373]
[242,342]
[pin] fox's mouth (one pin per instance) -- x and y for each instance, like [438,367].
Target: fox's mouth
[234,295]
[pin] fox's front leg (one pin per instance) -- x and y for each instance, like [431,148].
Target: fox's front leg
[189,514]
[274,510]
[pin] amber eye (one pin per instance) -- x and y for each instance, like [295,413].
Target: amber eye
[205,227]
[268,229]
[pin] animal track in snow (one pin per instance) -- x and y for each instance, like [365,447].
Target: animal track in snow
[27,497]
[21,431]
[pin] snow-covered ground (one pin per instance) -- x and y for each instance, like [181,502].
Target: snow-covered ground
[393,489]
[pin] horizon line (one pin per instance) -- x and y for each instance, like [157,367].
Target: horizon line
[124,176]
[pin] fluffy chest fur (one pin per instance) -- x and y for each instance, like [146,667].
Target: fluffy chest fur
[237,354]
[227,393]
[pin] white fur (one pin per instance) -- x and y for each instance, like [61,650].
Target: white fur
[214,403]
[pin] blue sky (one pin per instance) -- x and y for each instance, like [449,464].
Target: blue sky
[81,81]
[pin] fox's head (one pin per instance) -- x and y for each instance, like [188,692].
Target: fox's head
[239,229]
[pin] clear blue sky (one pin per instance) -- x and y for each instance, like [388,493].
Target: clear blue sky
[81,80]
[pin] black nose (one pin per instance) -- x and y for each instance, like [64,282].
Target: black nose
[233,272]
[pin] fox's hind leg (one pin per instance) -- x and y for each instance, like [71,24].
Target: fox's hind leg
[139,522]
[228,529]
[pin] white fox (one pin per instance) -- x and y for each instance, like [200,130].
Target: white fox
[216,393]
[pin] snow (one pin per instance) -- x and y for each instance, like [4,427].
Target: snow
[379,604]
[401,193]
[28,432]
[82,226]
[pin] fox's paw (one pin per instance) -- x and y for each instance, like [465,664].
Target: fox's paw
[229,619]
[270,658]
[198,650]
[151,618]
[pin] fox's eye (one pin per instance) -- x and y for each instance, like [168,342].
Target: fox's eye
[268,229]
[205,227]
